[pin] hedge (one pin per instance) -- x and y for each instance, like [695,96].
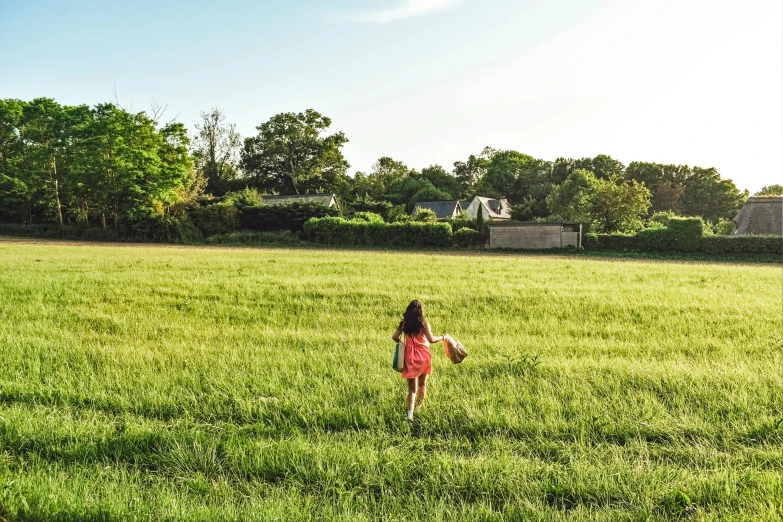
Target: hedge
[655,240]
[742,244]
[686,233]
[338,231]
[592,241]
[291,216]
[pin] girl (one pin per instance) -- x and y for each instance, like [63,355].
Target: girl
[418,359]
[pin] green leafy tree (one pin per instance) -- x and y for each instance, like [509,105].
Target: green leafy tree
[216,148]
[291,154]
[469,173]
[442,180]
[666,184]
[709,196]
[618,206]
[772,190]
[518,176]
[573,199]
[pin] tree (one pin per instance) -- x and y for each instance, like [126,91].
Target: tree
[709,196]
[772,190]
[442,180]
[216,149]
[666,183]
[43,130]
[290,154]
[618,206]
[572,200]
[516,176]
[468,173]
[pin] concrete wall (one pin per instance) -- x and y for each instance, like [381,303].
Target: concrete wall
[541,236]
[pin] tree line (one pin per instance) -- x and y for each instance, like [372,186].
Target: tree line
[107,166]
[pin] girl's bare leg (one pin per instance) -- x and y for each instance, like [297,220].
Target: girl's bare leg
[422,389]
[412,389]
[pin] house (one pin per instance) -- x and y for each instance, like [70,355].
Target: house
[442,209]
[328,200]
[760,215]
[492,209]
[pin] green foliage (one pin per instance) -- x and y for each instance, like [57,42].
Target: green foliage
[516,176]
[465,237]
[611,242]
[572,200]
[425,215]
[338,231]
[771,190]
[654,240]
[369,217]
[619,205]
[686,233]
[291,216]
[164,229]
[469,173]
[428,194]
[442,181]
[277,237]
[661,218]
[724,227]
[742,244]
[217,218]
[290,155]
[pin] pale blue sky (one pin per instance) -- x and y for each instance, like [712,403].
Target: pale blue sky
[432,81]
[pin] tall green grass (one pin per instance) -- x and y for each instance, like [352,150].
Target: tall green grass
[170,383]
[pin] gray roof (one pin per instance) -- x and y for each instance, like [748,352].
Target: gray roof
[760,215]
[324,199]
[498,207]
[442,209]
[464,204]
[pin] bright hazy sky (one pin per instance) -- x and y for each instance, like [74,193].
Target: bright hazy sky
[696,82]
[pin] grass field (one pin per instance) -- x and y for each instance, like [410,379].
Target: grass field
[160,383]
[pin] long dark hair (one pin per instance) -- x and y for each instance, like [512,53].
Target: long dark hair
[413,319]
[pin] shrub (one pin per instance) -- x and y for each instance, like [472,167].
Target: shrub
[217,218]
[654,240]
[338,231]
[686,233]
[467,237]
[280,237]
[369,217]
[742,244]
[724,227]
[661,219]
[282,217]
[610,242]
[425,215]
[164,229]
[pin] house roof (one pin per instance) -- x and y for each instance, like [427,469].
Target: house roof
[498,207]
[324,199]
[442,209]
[760,215]
[464,204]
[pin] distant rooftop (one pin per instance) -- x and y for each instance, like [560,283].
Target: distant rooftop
[324,199]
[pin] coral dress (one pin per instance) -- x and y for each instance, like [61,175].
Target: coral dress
[418,359]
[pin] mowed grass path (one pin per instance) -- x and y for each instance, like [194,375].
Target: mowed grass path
[159,383]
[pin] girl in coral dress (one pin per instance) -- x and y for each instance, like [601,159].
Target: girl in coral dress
[418,359]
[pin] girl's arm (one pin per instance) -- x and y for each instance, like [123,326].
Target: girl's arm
[397,333]
[428,333]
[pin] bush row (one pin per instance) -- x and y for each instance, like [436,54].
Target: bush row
[282,217]
[684,236]
[339,231]
[742,244]
[156,229]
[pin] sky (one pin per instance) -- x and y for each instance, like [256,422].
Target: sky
[696,82]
